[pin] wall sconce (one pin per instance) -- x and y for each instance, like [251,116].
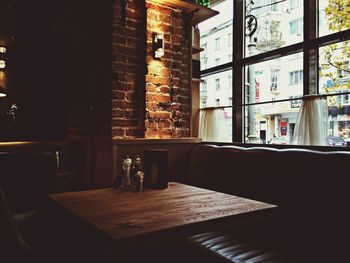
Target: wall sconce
[2,92]
[158,45]
[2,58]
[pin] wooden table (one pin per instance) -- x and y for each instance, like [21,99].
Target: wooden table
[178,211]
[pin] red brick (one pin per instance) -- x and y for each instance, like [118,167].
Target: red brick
[151,106]
[164,124]
[119,95]
[151,134]
[118,113]
[165,89]
[138,133]
[126,123]
[151,87]
[118,132]
[160,115]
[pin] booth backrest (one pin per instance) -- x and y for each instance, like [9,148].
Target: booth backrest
[291,178]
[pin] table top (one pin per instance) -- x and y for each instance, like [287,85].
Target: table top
[178,210]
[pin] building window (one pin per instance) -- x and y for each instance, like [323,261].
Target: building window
[229,80]
[296,77]
[229,39]
[217,44]
[274,5]
[217,61]
[295,3]
[296,27]
[230,101]
[204,53]
[274,79]
[217,84]
[204,63]
[217,102]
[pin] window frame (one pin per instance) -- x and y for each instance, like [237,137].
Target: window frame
[309,46]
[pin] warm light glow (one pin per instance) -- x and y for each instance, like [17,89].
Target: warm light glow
[2,95]
[2,50]
[2,64]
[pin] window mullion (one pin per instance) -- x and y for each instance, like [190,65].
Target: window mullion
[310,51]
[238,45]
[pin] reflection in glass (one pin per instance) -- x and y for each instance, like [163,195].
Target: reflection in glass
[274,79]
[216,36]
[274,122]
[334,16]
[272,24]
[216,89]
[339,120]
[334,71]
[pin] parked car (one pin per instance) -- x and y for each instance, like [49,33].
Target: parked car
[336,141]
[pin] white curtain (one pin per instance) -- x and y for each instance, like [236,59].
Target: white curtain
[312,121]
[212,125]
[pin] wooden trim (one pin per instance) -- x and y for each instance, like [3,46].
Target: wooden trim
[238,72]
[156,141]
[200,13]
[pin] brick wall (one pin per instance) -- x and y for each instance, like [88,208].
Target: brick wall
[129,65]
[167,79]
[150,98]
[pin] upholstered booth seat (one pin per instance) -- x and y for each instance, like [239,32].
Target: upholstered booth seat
[309,187]
[224,247]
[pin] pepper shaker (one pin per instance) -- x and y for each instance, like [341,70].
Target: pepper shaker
[139,181]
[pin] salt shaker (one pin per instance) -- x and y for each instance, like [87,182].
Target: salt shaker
[127,169]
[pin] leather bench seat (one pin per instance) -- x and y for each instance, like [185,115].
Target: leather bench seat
[235,248]
[309,187]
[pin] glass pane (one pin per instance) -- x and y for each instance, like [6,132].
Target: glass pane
[334,61]
[339,120]
[272,24]
[216,90]
[216,36]
[275,79]
[334,16]
[274,123]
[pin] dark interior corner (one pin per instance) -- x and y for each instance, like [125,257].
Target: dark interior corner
[59,56]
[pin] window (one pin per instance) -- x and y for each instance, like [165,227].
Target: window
[274,6]
[217,44]
[229,39]
[295,3]
[229,84]
[204,53]
[204,63]
[296,27]
[271,52]
[217,84]
[203,90]
[217,61]
[267,23]
[274,79]
[296,77]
